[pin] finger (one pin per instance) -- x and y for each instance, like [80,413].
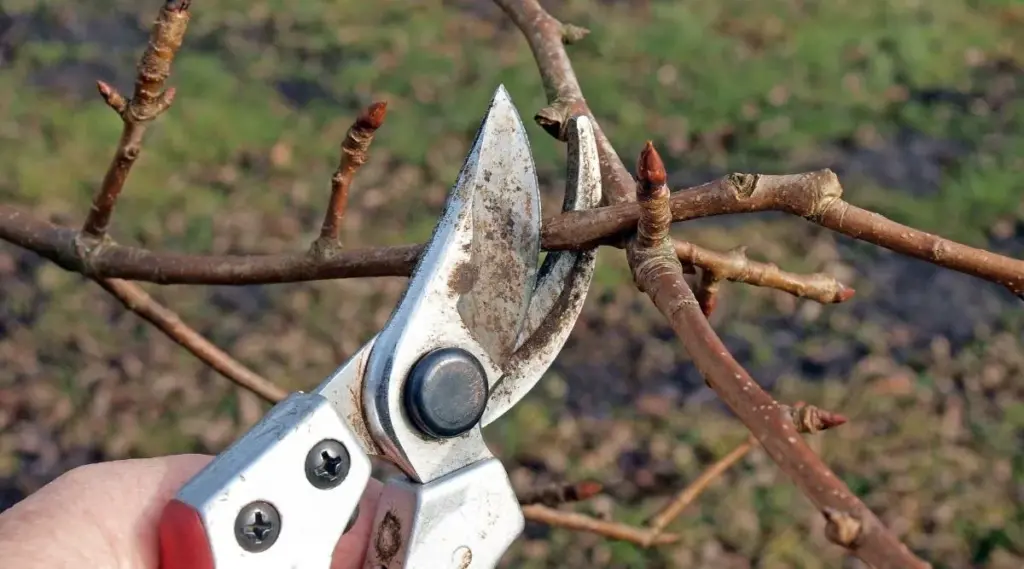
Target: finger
[101,516]
[350,552]
[105,516]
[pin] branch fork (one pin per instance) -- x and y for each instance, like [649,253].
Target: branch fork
[775,426]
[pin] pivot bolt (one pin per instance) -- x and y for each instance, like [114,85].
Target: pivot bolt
[327,464]
[446,393]
[257,526]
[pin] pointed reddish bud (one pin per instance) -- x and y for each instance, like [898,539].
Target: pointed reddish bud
[708,305]
[110,96]
[829,419]
[811,419]
[588,489]
[650,170]
[372,117]
[104,88]
[845,293]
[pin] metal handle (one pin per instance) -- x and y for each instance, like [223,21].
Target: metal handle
[280,496]
[464,520]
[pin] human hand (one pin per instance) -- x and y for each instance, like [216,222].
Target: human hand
[105,515]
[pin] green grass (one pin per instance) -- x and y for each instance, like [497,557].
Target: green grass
[786,79]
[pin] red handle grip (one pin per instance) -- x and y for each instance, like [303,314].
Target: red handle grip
[183,542]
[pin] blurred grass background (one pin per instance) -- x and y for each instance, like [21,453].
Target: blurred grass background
[919,106]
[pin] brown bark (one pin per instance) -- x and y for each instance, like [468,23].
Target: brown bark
[111,260]
[147,103]
[658,273]
[354,153]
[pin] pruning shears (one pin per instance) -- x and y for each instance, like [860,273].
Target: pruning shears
[478,325]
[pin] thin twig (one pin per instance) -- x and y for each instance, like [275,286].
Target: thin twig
[581,522]
[168,322]
[354,153]
[806,419]
[735,266]
[149,101]
[686,497]
[658,273]
[560,493]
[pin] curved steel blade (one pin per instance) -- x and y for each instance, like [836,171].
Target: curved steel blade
[494,287]
[470,289]
[562,283]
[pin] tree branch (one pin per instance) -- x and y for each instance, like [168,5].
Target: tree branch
[658,273]
[354,153]
[148,102]
[687,495]
[546,37]
[735,266]
[815,196]
[111,260]
[581,522]
[168,322]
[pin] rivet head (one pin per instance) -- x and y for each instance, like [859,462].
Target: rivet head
[446,393]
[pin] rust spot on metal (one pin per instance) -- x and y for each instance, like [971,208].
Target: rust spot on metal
[357,420]
[463,278]
[389,538]
[463,557]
